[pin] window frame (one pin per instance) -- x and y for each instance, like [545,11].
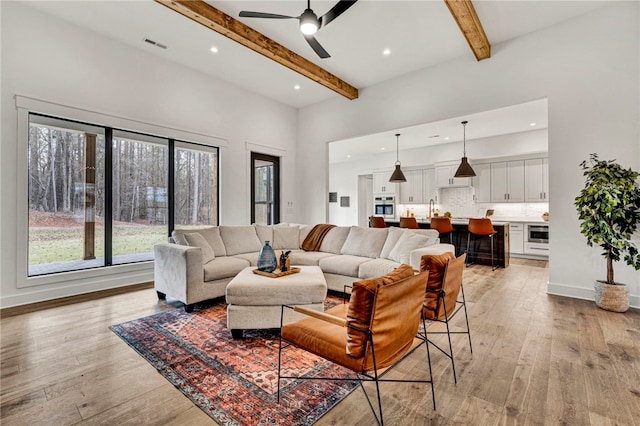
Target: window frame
[113,275]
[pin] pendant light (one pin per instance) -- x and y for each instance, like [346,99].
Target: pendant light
[464,169]
[397,176]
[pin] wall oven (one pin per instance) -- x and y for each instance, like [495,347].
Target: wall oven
[385,207]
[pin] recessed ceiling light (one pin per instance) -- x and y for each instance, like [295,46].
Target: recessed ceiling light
[446,138]
[214,49]
[532,124]
[382,148]
[348,155]
[296,87]
[386,52]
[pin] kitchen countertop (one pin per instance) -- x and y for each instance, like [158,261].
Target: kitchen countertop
[498,220]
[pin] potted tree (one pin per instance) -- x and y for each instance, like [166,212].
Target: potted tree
[609,208]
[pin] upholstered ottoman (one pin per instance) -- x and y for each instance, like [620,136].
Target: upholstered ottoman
[254,301]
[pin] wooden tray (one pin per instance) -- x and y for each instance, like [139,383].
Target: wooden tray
[277,273]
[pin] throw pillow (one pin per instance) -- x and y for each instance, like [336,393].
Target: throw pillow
[195,239]
[365,242]
[406,244]
[435,264]
[392,239]
[361,305]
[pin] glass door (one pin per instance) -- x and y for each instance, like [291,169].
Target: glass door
[265,189]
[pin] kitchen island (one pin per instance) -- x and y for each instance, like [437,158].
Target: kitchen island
[483,245]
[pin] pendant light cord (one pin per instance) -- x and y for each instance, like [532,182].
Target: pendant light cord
[398,148]
[464,138]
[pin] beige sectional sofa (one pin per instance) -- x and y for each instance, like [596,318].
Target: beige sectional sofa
[198,264]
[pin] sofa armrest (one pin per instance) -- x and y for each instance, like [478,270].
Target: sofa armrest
[176,268]
[416,255]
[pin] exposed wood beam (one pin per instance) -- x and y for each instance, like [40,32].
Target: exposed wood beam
[224,24]
[465,15]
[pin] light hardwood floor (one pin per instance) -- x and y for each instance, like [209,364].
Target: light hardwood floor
[537,359]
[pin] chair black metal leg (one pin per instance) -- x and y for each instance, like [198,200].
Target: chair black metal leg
[466,317]
[493,268]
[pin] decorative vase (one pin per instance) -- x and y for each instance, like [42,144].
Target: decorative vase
[267,261]
[611,297]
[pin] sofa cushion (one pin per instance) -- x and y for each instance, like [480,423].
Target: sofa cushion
[408,241]
[210,233]
[301,257]
[252,258]
[195,239]
[304,231]
[342,265]
[334,240]
[435,264]
[223,267]
[240,239]
[361,305]
[366,242]
[393,236]
[264,232]
[376,267]
[286,237]
[431,233]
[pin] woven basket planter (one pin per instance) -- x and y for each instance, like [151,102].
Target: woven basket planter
[612,297]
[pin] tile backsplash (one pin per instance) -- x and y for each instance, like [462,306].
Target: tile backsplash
[459,201]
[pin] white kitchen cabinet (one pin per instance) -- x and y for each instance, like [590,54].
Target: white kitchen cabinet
[516,238]
[536,179]
[381,184]
[429,185]
[507,181]
[482,183]
[445,179]
[412,191]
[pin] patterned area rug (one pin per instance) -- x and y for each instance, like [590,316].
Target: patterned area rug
[234,381]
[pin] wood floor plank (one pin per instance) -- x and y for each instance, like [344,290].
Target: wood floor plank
[537,360]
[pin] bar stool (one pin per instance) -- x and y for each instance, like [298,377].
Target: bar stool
[377,222]
[481,227]
[443,226]
[409,222]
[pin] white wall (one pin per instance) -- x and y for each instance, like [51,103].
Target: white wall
[587,68]
[46,58]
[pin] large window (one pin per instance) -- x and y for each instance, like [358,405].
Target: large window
[91,207]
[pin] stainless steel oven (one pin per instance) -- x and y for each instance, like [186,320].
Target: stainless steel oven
[538,234]
[385,207]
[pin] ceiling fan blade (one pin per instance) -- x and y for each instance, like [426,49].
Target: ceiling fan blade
[317,47]
[337,10]
[245,14]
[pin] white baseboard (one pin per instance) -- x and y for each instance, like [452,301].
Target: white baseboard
[583,293]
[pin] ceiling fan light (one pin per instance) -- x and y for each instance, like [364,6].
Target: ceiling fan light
[464,169]
[308,22]
[397,176]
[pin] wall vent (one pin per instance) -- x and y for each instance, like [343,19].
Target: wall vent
[155,43]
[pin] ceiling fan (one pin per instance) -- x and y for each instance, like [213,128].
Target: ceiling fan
[309,22]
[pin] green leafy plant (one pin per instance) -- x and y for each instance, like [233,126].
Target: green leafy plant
[609,208]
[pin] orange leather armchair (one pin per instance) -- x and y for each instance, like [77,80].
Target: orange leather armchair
[374,331]
[377,222]
[409,222]
[444,297]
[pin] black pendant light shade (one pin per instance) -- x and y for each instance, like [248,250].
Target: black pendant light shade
[397,176]
[464,169]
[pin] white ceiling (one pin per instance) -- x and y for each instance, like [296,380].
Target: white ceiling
[512,119]
[419,33]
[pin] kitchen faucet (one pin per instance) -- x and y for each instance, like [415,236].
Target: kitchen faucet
[432,205]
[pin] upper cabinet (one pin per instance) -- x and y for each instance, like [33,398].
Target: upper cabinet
[381,184]
[429,184]
[412,191]
[445,179]
[507,181]
[482,183]
[536,183]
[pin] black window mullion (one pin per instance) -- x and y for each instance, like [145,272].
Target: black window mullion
[171,186]
[108,196]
